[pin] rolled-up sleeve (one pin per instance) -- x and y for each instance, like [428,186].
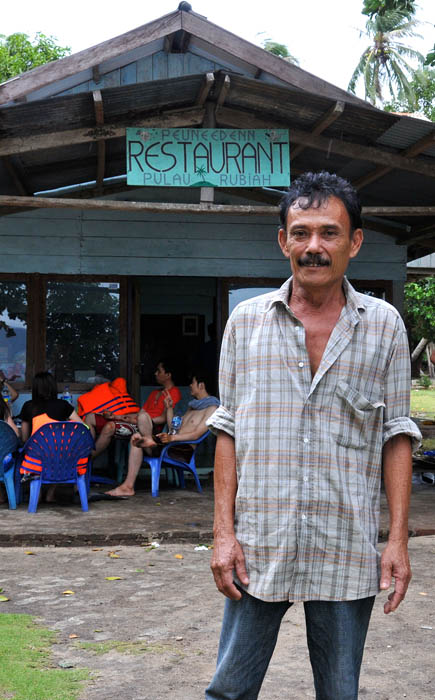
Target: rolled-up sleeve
[223,417]
[397,392]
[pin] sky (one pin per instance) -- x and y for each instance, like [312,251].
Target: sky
[324,35]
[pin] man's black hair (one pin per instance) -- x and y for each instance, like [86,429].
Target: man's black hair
[202,375]
[313,189]
[169,365]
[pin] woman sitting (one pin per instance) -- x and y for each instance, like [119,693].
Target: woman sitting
[43,408]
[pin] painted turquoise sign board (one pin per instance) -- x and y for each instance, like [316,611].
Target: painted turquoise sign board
[187,157]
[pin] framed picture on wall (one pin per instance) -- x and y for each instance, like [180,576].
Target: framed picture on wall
[190,324]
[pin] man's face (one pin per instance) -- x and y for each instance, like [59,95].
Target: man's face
[161,374]
[318,243]
[194,387]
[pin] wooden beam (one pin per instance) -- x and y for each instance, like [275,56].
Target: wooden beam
[24,144]
[83,60]
[205,88]
[207,193]
[321,125]
[115,205]
[421,145]
[15,177]
[422,234]
[244,120]
[96,75]
[101,144]
[150,207]
[223,91]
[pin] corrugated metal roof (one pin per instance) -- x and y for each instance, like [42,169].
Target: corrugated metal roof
[405,132]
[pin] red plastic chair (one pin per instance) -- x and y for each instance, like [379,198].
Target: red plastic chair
[58,453]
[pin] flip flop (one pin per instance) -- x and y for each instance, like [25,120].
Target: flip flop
[106,497]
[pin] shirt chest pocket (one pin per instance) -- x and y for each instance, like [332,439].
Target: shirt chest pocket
[354,416]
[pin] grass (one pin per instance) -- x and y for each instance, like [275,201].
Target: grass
[26,668]
[423,403]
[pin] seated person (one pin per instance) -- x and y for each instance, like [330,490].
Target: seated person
[108,410]
[192,427]
[5,415]
[4,382]
[43,408]
[153,415]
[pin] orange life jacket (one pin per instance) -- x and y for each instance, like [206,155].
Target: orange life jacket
[110,396]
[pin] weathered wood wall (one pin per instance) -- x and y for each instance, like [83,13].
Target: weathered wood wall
[157,66]
[113,243]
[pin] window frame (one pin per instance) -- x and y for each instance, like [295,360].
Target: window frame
[36,322]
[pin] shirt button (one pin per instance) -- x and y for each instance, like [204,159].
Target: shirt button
[303,516]
[300,364]
[306,440]
[305,478]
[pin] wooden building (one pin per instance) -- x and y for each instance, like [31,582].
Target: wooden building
[100,278]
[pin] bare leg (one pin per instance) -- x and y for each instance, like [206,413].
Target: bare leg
[104,438]
[145,427]
[89,419]
[135,459]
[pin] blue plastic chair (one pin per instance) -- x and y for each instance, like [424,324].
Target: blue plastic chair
[8,447]
[58,447]
[164,459]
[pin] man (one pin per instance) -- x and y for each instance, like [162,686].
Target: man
[314,383]
[192,427]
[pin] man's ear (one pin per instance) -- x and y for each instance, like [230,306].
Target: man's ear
[282,240]
[357,241]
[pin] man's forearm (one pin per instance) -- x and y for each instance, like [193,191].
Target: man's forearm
[397,467]
[225,484]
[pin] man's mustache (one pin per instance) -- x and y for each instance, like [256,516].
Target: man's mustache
[310,259]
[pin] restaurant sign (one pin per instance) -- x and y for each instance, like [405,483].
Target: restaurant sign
[187,157]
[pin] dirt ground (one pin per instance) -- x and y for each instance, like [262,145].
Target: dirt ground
[166,611]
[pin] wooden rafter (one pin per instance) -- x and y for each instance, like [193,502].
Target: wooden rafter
[223,91]
[244,120]
[22,144]
[421,145]
[15,176]
[205,88]
[101,144]
[321,125]
[114,205]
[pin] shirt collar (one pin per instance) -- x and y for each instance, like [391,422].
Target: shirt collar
[354,301]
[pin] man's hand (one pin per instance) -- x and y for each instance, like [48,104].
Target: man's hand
[228,557]
[395,563]
[165,437]
[167,399]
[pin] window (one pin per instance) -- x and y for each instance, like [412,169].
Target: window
[82,330]
[13,328]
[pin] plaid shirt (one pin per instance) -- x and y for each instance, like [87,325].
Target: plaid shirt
[309,450]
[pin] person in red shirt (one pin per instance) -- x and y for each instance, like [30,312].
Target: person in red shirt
[152,417]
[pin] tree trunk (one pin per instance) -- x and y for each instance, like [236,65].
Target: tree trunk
[417,358]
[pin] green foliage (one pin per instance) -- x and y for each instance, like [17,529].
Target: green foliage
[19,53]
[384,63]
[381,7]
[279,50]
[26,671]
[423,85]
[430,58]
[420,308]
[424,381]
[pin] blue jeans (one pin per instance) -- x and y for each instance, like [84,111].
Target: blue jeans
[336,633]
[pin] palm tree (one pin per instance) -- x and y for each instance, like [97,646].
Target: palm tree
[384,62]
